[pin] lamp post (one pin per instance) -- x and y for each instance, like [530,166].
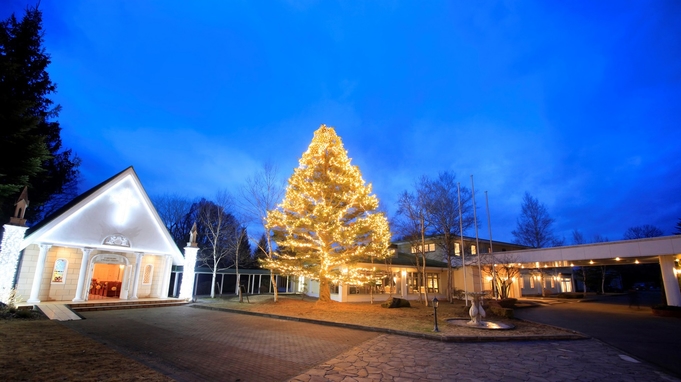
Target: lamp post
[435,303]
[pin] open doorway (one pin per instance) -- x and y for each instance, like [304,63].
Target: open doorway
[106,281]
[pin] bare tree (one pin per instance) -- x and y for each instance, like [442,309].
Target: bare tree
[216,225]
[503,270]
[238,245]
[260,194]
[641,232]
[411,223]
[598,238]
[442,213]
[534,226]
[173,209]
[577,237]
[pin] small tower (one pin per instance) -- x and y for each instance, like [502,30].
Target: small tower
[20,209]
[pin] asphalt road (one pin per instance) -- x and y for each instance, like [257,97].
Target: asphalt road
[610,319]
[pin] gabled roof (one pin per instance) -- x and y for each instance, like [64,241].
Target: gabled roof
[117,214]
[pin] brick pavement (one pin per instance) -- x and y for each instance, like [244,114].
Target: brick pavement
[195,344]
[189,344]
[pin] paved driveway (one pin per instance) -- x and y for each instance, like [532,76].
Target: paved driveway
[191,344]
[632,329]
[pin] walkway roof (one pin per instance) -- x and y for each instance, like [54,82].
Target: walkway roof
[607,253]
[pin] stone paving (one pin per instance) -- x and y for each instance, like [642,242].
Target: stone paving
[395,358]
[201,345]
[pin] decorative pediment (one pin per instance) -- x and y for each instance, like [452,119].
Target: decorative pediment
[117,240]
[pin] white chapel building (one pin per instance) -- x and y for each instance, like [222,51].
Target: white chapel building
[107,243]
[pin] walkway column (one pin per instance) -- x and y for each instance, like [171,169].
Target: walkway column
[166,276]
[82,275]
[38,276]
[136,277]
[671,284]
[187,286]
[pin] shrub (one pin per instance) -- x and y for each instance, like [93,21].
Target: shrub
[23,313]
[507,302]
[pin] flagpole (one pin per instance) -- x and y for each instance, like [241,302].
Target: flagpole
[461,249]
[491,249]
[477,241]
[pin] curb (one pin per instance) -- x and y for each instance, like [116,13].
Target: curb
[432,337]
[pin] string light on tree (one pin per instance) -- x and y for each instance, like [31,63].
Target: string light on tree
[328,220]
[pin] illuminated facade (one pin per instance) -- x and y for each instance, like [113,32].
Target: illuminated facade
[395,276]
[108,243]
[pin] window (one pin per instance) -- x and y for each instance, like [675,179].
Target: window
[417,248]
[457,249]
[474,250]
[521,282]
[333,287]
[433,282]
[531,282]
[415,283]
[148,274]
[59,272]
[553,282]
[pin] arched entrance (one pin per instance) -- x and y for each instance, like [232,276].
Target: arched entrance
[108,277]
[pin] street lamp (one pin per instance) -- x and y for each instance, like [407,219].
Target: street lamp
[435,304]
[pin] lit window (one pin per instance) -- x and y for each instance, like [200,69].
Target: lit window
[457,249]
[531,282]
[433,282]
[474,250]
[148,273]
[428,247]
[59,273]
[553,283]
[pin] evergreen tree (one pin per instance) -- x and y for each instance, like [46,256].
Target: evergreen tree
[261,250]
[678,228]
[31,151]
[328,220]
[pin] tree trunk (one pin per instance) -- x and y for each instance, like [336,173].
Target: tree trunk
[584,277]
[324,291]
[274,283]
[212,285]
[450,297]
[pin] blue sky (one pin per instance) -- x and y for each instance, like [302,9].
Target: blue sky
[575,102]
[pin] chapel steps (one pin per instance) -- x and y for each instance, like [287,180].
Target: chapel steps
[124,304]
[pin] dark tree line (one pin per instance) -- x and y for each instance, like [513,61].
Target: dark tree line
[31,151]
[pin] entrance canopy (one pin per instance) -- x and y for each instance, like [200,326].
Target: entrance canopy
[608,253]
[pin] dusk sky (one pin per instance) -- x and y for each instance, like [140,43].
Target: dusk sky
[576,102]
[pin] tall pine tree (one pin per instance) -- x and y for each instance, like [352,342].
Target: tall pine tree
[31,150]
[328,220]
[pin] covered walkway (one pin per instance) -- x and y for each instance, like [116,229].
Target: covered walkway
[665,250]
